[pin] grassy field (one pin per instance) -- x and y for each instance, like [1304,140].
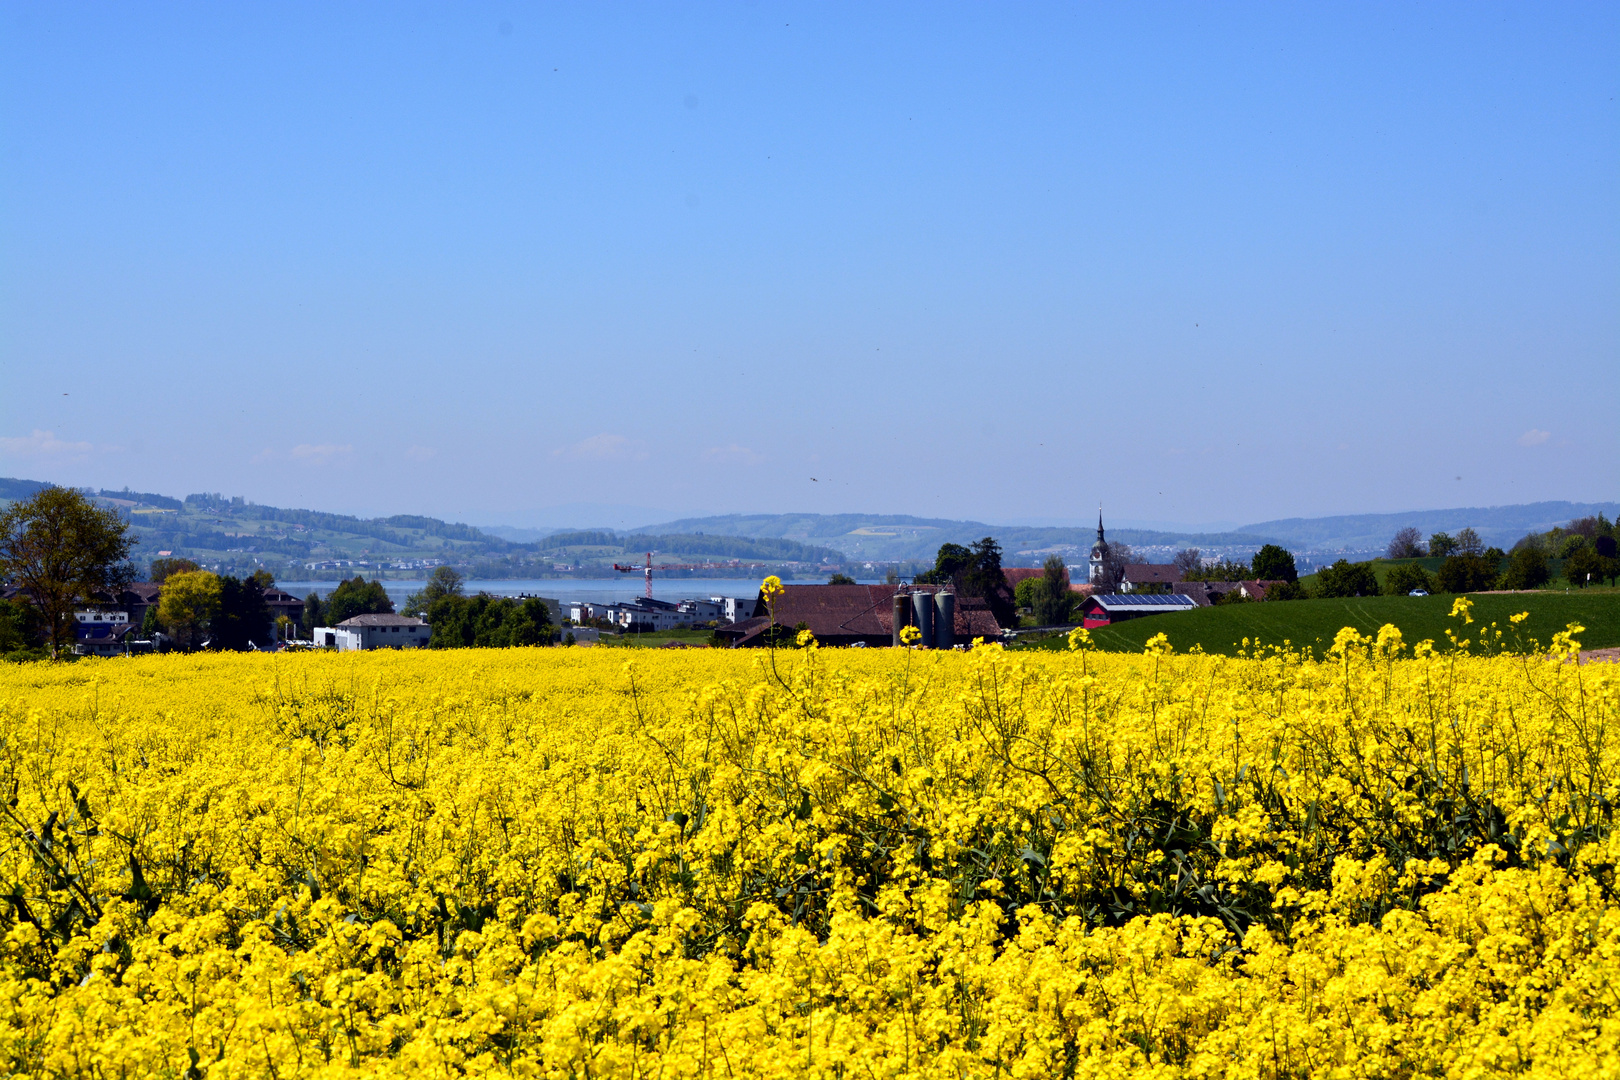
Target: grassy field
[657,640]
[1315,622]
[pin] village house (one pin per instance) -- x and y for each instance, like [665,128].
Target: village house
[374,632]
[102,632]
[1139,574]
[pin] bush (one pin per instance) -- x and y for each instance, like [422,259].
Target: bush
[1272,563]
[1527,569]
[1287,590]
[1586,567]
[1466,573]
[1403,579]
[1345,578]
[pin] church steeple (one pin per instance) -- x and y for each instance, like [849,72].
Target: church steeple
[1099,551]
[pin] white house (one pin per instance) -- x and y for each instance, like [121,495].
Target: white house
[101,633]
[374,632]
[735,608]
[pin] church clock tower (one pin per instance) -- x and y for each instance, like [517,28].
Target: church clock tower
[1099,552]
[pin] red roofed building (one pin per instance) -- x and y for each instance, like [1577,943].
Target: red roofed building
[853,614]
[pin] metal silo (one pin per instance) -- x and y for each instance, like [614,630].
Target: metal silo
[944,620]
[922,606]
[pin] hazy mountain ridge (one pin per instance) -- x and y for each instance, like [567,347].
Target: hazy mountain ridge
[216,528]
[890,537]
[1499,525]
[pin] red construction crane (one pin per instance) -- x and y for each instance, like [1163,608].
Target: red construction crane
[649,568]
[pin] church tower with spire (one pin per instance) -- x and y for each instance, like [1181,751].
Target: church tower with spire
[1099,551]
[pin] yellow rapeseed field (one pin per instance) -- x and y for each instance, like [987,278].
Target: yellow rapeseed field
[554,862]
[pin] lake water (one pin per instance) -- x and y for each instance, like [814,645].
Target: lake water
[603,590]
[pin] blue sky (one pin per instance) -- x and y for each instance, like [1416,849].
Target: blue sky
[525,264]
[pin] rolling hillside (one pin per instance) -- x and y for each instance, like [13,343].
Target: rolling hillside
[233,535]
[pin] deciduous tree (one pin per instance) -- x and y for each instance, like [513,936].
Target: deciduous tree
[357,596]
[1465,574]
[1272,563]
[1345,578]
[444,581]
[62,549]
[243,620]
[189,603]
[1527,569]
[1441,544]
[1053,600]
[1403,580]
[162,568]
[1407,544]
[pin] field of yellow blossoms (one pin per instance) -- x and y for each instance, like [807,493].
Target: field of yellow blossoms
[808,862]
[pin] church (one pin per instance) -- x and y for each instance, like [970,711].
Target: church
[1099,553]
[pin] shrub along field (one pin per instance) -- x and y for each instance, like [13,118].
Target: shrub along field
[819,863]
[1313,623]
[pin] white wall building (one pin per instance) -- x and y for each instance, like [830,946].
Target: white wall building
[698,612]
[735,608]
[374,632]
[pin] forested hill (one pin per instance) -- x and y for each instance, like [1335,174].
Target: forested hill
[728,547]
[901,537]
[1499,525]
[233,535]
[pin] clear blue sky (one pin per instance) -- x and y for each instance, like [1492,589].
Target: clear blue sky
[1201,262]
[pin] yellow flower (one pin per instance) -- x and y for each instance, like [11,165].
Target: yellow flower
[771,588]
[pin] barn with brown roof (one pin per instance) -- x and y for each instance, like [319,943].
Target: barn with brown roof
[853,615]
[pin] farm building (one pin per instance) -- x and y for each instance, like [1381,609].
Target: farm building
[1110,608]
[857,615]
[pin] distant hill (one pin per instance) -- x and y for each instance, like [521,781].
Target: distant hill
[13,490]
[232,535]
[900,537]
[237,535]
[1498,525]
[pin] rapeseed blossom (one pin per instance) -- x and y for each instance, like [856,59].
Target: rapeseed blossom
[550,863]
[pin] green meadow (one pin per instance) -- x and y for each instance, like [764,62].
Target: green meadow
[1313,623]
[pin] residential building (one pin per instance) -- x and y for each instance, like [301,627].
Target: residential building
[101,632]
[736,608]
[1205,593]
[374,632]
[1139,574]
[281,602]
[699,612]
[647,615]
